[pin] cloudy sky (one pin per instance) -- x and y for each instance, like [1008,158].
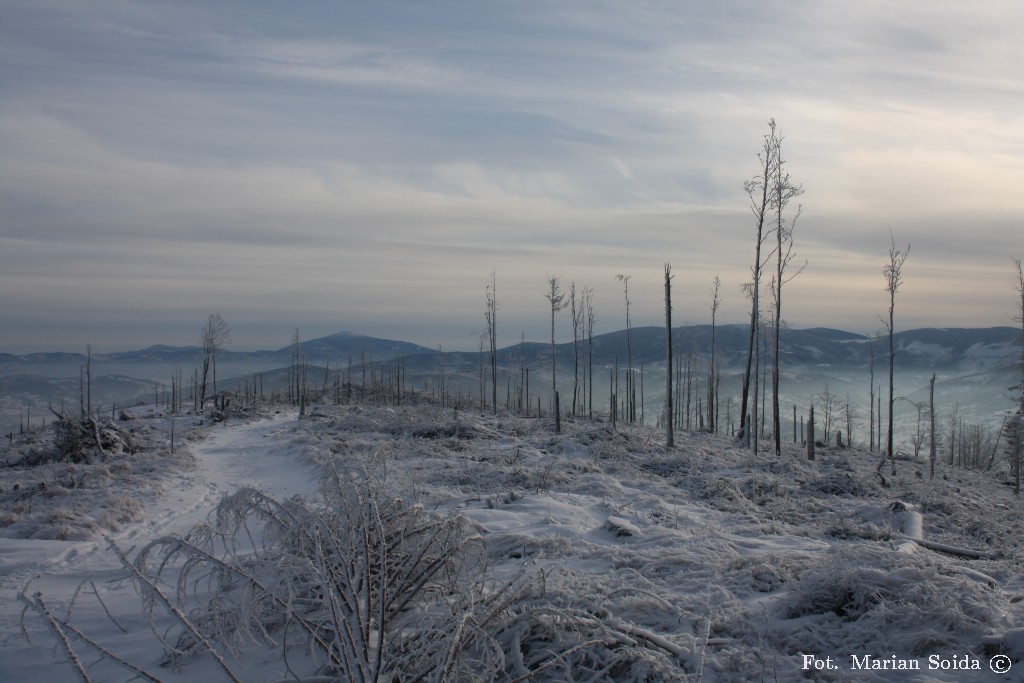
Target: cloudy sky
[365,166]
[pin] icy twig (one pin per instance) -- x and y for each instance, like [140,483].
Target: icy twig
[649,636]
[154,591]
[37,603]
[139,671]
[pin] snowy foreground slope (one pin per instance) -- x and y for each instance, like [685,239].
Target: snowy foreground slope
[595,554]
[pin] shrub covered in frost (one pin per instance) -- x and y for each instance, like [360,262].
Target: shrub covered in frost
[854,606]
[374,588]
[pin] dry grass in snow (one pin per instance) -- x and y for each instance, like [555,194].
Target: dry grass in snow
[460,546]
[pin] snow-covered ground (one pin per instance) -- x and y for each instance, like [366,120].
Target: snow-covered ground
[228,456]
[622,559]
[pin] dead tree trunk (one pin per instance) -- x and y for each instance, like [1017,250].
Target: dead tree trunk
[931,422]
[810,434]
[668,356]
[758,191]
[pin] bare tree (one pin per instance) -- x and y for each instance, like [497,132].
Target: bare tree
[1015,423]
[871,397]
[576,316]
[829,404]
[88,375]
[588,303]
[893,273]
[293,369]
[1019,317]
[783,192]
[491,317]
[849,413]
[480,368]
[215,334]
[932,447]
[953,423]
[1018,287]
[668,356]
[753,432]
[758,189]
[630,391]
[298,373]
[716,301]
[810,433]
[555,297]
[917,439]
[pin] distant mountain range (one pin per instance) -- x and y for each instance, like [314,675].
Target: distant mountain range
[967,350]
[978,364]
[330,348]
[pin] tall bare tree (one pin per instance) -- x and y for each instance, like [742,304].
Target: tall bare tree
[215,334]
[829,404]
[630,391]
[1015,423]
[298,374]
[588,304]
[932,452]
[893,273]
[871,397]
[480,367]
[758,189]
[1019,317]
[783,192]
[668,357]
[491,317]
[88,375]
[712,399]
[576,316]
[555,297]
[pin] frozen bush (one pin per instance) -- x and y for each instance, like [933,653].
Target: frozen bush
[342,577]
[864,602]
[374,588]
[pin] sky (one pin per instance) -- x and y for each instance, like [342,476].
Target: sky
[366,167]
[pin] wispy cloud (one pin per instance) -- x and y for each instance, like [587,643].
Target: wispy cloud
[354,164]
[340,62]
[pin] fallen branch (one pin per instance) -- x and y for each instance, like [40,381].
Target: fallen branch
[652,638]
[69,652]
[148,585]
[61,629]
[96,433]
[911,523]
[953,550]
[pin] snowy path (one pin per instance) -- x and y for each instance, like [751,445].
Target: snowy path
[254,454]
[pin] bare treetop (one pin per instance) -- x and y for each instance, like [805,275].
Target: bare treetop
[893,270]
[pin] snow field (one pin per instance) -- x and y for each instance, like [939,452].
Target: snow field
[777,557]
[590,555]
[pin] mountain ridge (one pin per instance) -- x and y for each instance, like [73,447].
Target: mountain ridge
[968,348]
